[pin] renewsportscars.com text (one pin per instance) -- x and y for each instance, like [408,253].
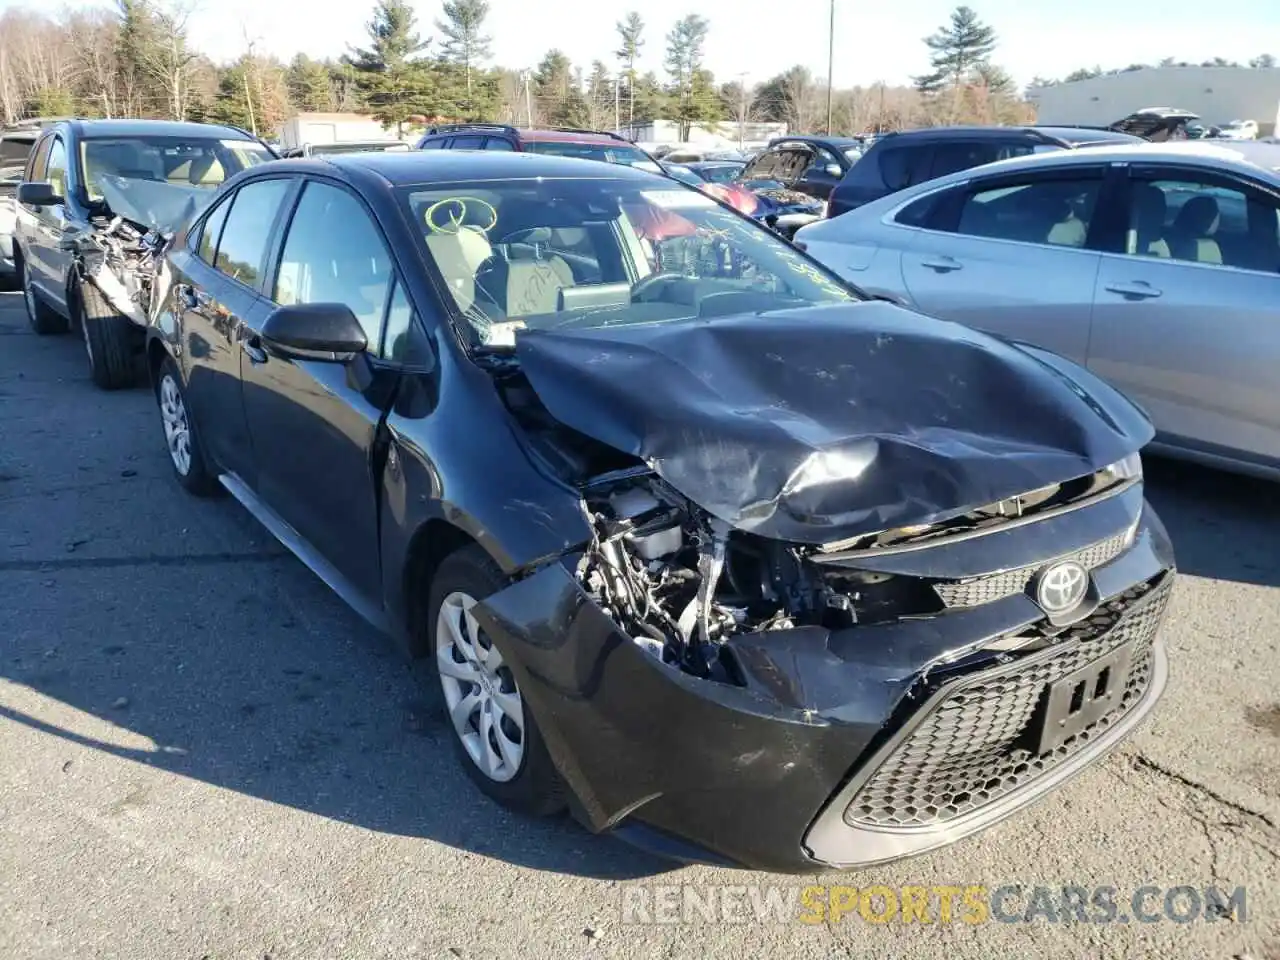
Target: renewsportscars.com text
[971,904]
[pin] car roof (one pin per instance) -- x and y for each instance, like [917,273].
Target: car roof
[945,133]
[414,167]
[815,138]
[559,136]
[89,129]
[1089,135]
[1225,154]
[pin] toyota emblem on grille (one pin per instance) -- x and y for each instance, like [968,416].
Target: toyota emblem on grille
[1062,587]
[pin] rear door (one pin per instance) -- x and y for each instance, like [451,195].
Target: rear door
[218,295]
[824,171]
[313,425]
[1187,317]
[1010,255]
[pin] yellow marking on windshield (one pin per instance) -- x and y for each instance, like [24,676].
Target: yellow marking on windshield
[449,216]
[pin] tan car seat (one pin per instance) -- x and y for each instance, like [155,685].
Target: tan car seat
[1146,231]
[459,257]
[1191,236]
[533,286]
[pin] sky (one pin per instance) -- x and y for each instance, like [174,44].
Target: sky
[756,39]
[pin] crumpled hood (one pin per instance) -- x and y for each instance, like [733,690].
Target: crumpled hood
[822,423]
[151,204]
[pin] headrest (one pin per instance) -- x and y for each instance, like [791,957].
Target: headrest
[1198,216]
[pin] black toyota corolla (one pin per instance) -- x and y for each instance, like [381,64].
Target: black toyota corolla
[703,546]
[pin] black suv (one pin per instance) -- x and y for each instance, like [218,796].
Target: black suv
[810,165]
[97,199]
[900,160]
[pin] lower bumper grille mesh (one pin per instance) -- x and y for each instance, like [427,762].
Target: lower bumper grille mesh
[975,745]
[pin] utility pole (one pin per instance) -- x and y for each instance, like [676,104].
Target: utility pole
[743,107]
[617,116]
[527,76]
[831,62]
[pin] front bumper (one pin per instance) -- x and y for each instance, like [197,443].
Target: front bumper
[841,749]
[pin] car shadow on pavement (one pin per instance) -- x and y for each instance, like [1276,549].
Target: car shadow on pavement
[322,716]
[1224,526]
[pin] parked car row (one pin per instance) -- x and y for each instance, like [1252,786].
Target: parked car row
[704,544]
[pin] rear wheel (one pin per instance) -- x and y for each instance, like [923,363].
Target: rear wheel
[110,340]
[44,319]
[497,739]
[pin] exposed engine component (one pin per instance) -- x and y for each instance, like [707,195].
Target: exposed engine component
[681,582]
[122,261]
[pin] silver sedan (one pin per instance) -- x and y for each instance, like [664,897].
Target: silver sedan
[1155,265]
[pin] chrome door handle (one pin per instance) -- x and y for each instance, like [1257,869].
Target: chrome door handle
[1138,290]
[943,264]
[252,346]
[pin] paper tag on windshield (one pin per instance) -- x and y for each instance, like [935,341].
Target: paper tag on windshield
[677,199]
[502,334]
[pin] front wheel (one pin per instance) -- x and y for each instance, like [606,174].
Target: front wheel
[185,451]
[110,340]
[496,737]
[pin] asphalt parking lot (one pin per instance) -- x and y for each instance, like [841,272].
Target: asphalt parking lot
[204,754]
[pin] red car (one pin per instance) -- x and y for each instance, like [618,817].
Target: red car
[558,141]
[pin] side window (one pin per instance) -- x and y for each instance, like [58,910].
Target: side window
[323,265]
[210,232]
[918,212]
[821,158]
[498,143]
[242,249]
[467,143]
[955,156]
[900,167]
[1055,212]
[1182,219]
[433,144]
[39,159]
[56,168]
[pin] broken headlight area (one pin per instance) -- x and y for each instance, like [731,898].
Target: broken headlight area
[123,261]
[681,582]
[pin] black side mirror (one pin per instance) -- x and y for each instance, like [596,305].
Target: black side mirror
[38,193]
[315,331]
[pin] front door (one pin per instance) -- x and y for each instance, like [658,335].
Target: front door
[46,259]
[313,426]
[1009,256]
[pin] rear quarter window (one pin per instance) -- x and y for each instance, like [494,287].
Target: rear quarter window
[901,167]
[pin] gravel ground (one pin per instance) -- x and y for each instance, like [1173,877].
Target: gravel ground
[204,754]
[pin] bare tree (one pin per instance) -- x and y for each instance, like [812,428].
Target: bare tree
[92,35]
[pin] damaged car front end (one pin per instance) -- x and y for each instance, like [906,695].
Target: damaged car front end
[829,618]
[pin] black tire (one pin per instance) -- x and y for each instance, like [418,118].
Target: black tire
[44,320]
[110,340]
[536,789]
[192,471]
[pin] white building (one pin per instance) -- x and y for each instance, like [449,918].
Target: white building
[1217,94]
[724,135]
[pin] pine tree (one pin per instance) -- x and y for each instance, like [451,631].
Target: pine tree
[631,37]
[309,87]
[464,43]
[555,90]
[955,50]
[685,45]
[394,79]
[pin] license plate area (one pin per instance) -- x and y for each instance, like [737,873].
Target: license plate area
[1082,698]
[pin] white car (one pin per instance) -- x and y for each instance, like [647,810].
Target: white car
[1240,130]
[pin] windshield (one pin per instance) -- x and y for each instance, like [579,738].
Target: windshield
[544,254]
[180,161]
[608,152]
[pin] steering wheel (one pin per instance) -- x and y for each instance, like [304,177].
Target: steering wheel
[642,287]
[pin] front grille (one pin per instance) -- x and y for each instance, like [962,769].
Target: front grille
[976,745]
[972,593]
